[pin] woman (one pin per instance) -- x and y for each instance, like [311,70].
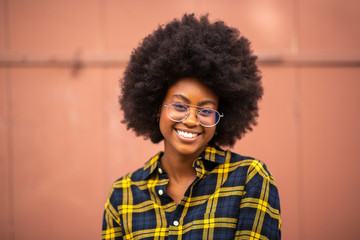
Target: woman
[195,85]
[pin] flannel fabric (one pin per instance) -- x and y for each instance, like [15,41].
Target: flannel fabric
[232,197]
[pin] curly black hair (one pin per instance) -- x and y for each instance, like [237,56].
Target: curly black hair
[213,53]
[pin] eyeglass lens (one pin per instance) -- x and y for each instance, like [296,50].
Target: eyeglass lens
[179,111]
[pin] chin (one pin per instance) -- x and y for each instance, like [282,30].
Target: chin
[190,150]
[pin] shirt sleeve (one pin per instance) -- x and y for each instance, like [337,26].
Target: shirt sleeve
[260,206]
[111,229]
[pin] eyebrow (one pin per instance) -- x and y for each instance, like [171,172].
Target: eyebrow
[202,103]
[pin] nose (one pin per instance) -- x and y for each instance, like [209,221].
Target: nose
[191,120]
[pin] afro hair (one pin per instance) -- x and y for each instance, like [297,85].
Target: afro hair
[213,53]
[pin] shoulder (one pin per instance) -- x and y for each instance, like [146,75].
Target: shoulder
[141,174]
[254,169]
[129,179]
[124,185]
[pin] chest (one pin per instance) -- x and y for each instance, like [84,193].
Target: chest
[205,208]
[177,190]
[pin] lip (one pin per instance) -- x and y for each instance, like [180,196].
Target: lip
[185,139]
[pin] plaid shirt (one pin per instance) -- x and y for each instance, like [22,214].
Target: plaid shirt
[232,197]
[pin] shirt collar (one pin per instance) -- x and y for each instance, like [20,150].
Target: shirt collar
[211,153]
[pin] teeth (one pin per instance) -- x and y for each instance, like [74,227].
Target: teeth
[187,134]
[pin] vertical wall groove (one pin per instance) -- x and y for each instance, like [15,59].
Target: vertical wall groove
[103,83]
[10,156]
[9,120]
[298,123]
[299,156]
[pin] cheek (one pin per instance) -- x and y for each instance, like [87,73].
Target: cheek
[211,132]
[164,122]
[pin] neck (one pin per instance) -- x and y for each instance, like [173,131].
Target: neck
[179,167]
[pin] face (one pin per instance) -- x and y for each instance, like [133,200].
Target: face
[187,138]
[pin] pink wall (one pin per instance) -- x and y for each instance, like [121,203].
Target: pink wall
[62,144]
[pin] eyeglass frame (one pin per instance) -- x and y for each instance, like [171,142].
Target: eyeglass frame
[197,111]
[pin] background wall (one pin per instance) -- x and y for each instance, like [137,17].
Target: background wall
[62,144]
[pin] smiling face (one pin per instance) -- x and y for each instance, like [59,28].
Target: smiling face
[188,137]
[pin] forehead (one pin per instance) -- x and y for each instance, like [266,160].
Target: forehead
[193,90]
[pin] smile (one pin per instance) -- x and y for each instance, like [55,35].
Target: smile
[187,134]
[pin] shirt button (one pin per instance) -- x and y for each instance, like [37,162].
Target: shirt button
[160,192]
[176,223]
[160,170]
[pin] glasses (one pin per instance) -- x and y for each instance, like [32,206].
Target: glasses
[207,117]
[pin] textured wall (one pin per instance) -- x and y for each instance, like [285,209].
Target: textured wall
[62,144]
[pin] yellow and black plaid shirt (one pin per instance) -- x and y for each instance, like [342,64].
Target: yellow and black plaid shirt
[233,197]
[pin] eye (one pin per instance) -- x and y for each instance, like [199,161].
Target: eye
[206,112]
[180,107]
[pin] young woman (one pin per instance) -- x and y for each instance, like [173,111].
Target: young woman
[195,85]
